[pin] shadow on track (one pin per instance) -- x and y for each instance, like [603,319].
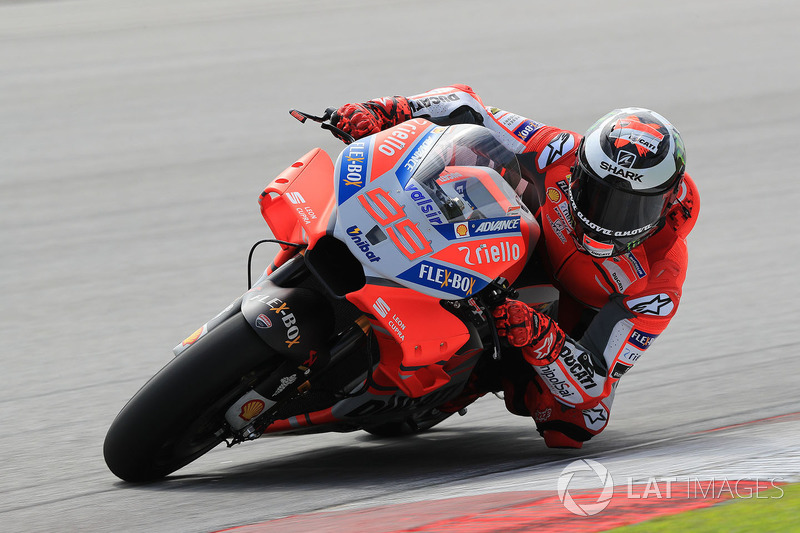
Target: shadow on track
[437,456]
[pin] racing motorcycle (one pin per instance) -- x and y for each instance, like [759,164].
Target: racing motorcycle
[374,315]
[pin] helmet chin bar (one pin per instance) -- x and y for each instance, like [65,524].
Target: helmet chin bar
[603,246]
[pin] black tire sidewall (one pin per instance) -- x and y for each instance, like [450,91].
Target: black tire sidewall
[170,402]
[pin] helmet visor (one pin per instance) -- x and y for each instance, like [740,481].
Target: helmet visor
[612,215]
[613,211]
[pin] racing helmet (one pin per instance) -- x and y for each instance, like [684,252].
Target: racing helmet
[628,170]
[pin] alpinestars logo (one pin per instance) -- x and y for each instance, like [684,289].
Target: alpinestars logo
[631,130]
[555,149]
[657,304]
[595,415]
[543,351]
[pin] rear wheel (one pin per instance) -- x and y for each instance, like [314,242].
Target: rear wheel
[180,413]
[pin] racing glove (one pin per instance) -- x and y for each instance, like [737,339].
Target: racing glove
[538,335]
[360,120]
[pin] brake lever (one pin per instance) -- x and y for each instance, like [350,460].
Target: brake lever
[324,123]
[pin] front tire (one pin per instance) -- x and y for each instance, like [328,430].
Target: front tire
[179,414]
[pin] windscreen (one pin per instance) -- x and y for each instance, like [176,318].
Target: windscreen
[452,178]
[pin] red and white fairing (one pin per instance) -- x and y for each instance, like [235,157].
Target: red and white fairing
[419,207]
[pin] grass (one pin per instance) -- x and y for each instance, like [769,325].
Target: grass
[774,510]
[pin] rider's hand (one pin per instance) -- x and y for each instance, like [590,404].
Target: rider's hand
[523,327]
[360,120]
[357,120]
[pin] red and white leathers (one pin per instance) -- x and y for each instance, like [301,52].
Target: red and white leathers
[611,309]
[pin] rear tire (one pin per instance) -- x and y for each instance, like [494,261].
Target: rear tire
[180,413]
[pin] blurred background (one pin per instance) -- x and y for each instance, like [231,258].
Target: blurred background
[135,138]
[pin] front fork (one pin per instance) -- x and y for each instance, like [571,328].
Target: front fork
[298,324]
[251,414]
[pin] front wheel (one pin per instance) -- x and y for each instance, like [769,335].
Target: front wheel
[180,413]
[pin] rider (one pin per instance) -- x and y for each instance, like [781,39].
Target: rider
[615,207]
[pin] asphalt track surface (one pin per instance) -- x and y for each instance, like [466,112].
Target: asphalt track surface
[135,138]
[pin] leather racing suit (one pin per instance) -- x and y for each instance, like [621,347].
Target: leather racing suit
[611,309]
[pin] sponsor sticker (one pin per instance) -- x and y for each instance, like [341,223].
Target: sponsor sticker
[621,172]
[263,321]
[640,339]
[381,307]
[617,275]
[563,212]
[191,339]
[461,230]
[282,312]
[619,370]
[635,264]
[597,248]
[251,409]
[306,212]
[285,382]
[626,159]
[558,146]
[418,104]
[629,353]
[409,165]
[397,140]
[484,253]
[596,417]
[353,169]
[558,228]
[295,198]
[580,366]
[526,130]
[443,278]
[631,130]
[656,304]
[636,342]
[425,203]
[558,383]
[361,242]
[493,226]
[480,228]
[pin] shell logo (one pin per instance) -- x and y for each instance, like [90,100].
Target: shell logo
[553,195]
[462,229]
[193,337]
[251,409]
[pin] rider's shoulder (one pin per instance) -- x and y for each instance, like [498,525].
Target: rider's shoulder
[552,147]
[667,258]
[669,244]
[683,214]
